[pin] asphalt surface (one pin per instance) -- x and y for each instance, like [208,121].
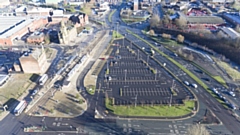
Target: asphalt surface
[87,124]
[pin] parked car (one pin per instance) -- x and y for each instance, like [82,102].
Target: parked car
[35,92]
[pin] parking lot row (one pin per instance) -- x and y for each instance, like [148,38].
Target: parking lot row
[149,102]
[130,64]
[137,82]
[129,71]
[141,78]
[146,92]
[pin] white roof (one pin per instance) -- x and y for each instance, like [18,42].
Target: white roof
[17,23]
[3,78]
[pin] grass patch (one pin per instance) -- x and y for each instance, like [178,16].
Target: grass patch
[16,86]
[132,20]
[217,78]
[110,15]
[91,89]
[235,74]
[87,8]
[117,35]
[155,110]
[166,41]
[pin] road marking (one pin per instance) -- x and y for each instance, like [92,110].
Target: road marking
[207,101]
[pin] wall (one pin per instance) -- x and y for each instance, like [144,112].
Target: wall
[29,65]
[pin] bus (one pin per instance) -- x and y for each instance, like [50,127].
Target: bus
[43,79]
[20,107]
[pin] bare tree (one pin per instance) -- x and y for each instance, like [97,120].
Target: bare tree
[151,32]
[190,57]
[154,21]
[180,38]
[197,130]
[142,102]
[164,35]
[181,22]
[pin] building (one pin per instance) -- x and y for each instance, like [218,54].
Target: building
[80,19]
[67,34]
[135,5]
[36,37]
[52,2]
[34,61]
[233,18]
[76,2]
[13,28]
[4,3]
[231,33]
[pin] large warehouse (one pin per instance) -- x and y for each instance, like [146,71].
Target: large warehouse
[13,28]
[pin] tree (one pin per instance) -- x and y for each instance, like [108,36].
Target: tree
[197,130]
[180,38]
[77,96]
[190,57]
[151,32]
[154,21]
[47,39]
[181,22]
[164,35]
[165,20]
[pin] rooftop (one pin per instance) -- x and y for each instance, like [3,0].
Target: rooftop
[230,32]
[11,24]
[205,19]
[235,17]
[36,53]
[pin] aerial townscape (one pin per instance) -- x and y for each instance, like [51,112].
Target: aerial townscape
[119,67]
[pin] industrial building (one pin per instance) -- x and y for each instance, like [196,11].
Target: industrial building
[4,3]
[34,61]
[13,28]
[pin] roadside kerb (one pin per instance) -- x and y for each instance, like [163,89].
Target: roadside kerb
[110,15]
[181,67]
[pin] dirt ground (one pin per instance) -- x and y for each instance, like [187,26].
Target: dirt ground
[16,86]
[65,105]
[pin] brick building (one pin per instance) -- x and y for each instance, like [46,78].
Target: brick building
[36,37]
[13,28]
[135,5]
[80,19]
[34,61]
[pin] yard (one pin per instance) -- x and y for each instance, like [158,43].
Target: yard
[155,110]
[235,74]
[17,85]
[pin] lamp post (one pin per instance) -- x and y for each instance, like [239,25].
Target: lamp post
[43,120]
[125,74]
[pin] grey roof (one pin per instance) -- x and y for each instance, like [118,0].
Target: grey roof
[11,24]
[230,32]
[233,17]
[205,20]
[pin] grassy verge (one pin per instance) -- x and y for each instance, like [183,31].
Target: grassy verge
[91,89]
[110,15]
[217,78]
[235,74]
[117,35]
[181,67]
[132,20]
[151,110]
[166,41]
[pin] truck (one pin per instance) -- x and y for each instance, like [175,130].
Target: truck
[20,107]
[43,79]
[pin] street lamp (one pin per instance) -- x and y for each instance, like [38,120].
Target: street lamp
[43,120]
[125,74]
